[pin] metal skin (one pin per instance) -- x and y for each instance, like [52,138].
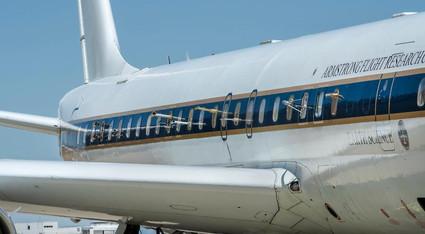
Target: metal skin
[370,189]
[346,185]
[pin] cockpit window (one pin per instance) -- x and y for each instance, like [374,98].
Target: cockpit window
[421,93]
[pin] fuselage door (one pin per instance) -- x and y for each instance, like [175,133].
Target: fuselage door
[384,134]
[224,118]
[249,119]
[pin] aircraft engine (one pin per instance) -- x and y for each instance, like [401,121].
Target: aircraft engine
[6,223]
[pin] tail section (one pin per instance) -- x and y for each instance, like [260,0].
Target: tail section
[99,42]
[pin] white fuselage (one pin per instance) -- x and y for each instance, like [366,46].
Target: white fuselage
[368,167]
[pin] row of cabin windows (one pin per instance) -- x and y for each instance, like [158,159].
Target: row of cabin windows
[291,106]
[121,132]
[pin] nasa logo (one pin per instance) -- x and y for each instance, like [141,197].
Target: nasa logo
[403,136]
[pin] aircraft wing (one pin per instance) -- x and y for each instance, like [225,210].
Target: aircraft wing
[154,195]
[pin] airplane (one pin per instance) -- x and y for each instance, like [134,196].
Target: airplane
[317,134]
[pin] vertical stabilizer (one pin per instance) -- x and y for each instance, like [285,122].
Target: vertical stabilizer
[99,42]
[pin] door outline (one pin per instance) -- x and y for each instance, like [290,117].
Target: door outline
[383,126]
[224,116]
[249,123]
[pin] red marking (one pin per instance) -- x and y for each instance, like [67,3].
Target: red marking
[408,210]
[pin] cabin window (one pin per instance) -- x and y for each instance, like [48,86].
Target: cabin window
[304,106]
[93,132]
[158,125]
[102,131]
[178,126]
[214,118]
[110,130]
[189,120]
[148,125]
[262,111]
[79,135]
[201,120]
[86,129]
[237,114]
[128,131]
[276,106]
[335,99]
[119,132]
[421,93]
[250,111]
[169,122]
[319,104]
[138,125]
[224,115]
[289,107]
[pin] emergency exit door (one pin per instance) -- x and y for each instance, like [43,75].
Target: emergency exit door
[384,133]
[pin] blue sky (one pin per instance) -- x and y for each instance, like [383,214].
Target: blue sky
[40,56]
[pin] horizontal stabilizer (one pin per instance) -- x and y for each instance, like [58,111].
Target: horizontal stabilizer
[33,123]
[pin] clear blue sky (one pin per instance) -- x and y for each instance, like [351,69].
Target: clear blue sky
[40,52]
